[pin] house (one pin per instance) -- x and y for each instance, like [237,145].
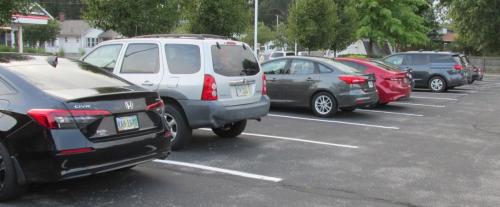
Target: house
[78,37]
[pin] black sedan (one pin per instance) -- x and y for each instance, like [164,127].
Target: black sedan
[63,119]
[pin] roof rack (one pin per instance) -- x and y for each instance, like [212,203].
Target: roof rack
[187,36]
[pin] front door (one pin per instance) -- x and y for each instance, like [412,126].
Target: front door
[301,80]
[275,73]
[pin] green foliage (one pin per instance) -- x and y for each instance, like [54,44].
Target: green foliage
[8,7]
[265,34]
[345,33]
[268,9]
[4,48]
[392,21]
[41,33]
[312,23]
[132,17]
[221,17]
[61,53]
[354,56]
[478,23]
[72,9]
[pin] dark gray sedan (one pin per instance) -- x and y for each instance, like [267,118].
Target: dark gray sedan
[319,83]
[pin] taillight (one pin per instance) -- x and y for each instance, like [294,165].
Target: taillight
[209,92]
[64,119]
[352,79]
[458,67]
[156,105]
[75,151]
[264,85]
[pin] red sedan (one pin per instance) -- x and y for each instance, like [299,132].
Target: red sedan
[392,84]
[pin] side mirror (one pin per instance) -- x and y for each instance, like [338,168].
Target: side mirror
[52,60]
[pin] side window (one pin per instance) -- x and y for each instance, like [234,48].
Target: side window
[275,67]
[141,58]
[301,67]
[4,88]
[441,59]
[104,56]
[418,59]
[324,69]
[183,59]
[396,59]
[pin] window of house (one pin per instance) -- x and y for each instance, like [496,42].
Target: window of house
[91,42]
[66,39]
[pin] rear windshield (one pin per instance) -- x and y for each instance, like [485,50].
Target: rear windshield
[343,67]
[68,75]
[234,60]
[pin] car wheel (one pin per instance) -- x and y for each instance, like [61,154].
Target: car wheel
[437,84]
[348,109]
[9,188]
[181,132]
[231,130]
[324,105]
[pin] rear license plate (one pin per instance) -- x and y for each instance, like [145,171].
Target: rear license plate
[370,84]
[243,90]
[126,123]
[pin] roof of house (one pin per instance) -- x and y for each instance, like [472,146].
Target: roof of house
[74,27]
[450,37]
[110,34]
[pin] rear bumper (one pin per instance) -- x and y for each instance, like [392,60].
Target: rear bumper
[213,114]
[394,94]
[357,98]
[457,80]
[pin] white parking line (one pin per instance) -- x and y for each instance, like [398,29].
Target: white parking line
[426,97]
[390,112]
[332,121]
[296,140]
[414,104]
[225,171]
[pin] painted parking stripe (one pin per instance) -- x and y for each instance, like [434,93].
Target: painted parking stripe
[434,98]
[390,112]
[414,104]
[333,121]
[220,170]
[295,140]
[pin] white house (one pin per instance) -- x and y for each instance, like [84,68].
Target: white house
[77,37]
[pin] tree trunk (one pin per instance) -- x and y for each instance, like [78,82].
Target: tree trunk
[370,48]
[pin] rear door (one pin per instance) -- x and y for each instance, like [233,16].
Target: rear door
[275,73]
[236,72]
[141,64]
[421,67]
[302,80]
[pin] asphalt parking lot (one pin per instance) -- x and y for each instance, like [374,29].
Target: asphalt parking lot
[430,150]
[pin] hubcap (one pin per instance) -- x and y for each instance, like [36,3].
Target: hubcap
[172,124]
[2,172]
[323,104]
[437,84]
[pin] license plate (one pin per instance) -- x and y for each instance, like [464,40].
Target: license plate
[370,84]
[243,90]
[126,123]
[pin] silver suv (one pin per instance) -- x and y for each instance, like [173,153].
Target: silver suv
[204,80]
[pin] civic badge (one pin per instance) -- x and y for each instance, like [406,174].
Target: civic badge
[129,105]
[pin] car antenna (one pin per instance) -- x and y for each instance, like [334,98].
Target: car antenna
[52,60]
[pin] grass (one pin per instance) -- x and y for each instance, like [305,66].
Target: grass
[4,48]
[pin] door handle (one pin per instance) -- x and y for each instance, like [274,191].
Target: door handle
[309,79]
[147,83]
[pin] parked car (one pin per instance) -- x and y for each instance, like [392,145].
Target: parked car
[392,83]
[437,71]
[321,84]
[279,54]
[476,73]
[205,80]
[65,119]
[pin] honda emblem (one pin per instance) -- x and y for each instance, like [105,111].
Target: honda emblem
[129,105]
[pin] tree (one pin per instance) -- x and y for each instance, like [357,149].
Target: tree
[312,23]
[72,9]
[8,7]
[392,21]
[268,9]
[478,23]
[346,28]
[221,17]
[132,17]
[34,34]
[265,34]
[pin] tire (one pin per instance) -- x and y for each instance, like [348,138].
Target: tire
[181,131]
[231,130]
[324,105]
[349,109]
[437,84]
[9,188]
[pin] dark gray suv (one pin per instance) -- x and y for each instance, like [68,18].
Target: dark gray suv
[437,71]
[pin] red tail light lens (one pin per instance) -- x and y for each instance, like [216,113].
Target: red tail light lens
[458,67]
[352,79]
[75,151]
[156,105]
[264,85]
[209,92]
[64,119]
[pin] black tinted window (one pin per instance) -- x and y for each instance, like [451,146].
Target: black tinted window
[301,67]
[418,59]
[234,60]
[5,88]
[104,56]
[183,59]
[141,58]
[442,59]
[275,67]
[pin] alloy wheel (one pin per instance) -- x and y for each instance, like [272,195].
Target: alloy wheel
[323,104]
[437,84]
[172,124]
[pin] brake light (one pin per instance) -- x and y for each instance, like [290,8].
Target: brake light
[75,151]
[209,92]
[64,119]
[458,67]
[264,85]
[352,79]
[156,105]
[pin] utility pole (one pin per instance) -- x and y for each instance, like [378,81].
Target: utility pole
[296,40]
[255,28]
[277,22]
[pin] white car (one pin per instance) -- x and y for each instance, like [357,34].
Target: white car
[278,54]
[204,80]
